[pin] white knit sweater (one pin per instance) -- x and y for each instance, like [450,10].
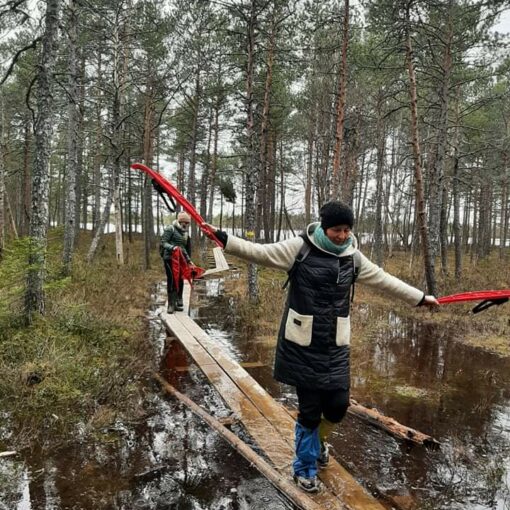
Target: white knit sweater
[283,254]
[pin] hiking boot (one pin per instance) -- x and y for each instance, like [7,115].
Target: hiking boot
[179,305]
[171,307]
[307,484]
[323,459]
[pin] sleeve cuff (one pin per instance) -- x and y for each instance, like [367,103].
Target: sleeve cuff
[422,300]
[222,237]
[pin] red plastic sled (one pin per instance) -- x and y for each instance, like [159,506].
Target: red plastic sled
[488,298]
[474,296]
[175,194]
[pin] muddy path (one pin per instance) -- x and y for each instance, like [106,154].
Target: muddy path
[169,459]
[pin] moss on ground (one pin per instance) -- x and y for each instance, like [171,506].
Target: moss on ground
[79,363]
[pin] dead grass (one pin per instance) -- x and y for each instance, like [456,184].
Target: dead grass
[82,361]
[489,330]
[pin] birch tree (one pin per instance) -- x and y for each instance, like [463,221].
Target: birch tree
[2,176]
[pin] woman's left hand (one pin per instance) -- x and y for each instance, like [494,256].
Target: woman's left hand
[430,301]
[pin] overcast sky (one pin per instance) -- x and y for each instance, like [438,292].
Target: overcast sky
[504,24]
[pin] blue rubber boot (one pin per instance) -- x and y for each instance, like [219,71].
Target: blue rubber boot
[307,450]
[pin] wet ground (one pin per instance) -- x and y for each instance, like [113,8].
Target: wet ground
[412,371]
[416,373]
[170,460]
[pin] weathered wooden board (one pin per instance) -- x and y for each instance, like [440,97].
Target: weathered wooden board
[267,421]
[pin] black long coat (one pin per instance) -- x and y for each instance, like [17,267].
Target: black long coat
[313,342]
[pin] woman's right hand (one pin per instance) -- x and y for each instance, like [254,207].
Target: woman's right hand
[212,228]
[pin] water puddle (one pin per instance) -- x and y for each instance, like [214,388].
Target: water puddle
[415,372]
[167,459]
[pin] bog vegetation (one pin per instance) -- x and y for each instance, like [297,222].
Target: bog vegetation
[80,362]
[259,111]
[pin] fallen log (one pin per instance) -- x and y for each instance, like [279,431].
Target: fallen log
[391,425]
[295,495]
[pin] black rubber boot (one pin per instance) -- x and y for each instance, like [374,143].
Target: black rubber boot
[171,303]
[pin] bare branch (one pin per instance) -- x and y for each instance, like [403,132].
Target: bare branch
[20,52]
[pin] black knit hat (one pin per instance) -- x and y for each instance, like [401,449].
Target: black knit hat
[336,213]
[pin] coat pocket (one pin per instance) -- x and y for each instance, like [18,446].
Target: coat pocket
[343,330]
[298,328]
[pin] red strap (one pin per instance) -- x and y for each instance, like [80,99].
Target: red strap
[474,296]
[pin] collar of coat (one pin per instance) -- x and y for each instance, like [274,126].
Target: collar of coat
[310,229]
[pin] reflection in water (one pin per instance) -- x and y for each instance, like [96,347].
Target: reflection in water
[416,373]
[169,459]
[165,460]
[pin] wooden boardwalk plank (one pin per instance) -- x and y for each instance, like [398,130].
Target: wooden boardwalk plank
[265,434]
[335,477]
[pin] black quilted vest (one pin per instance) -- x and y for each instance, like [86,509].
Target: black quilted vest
[313,341]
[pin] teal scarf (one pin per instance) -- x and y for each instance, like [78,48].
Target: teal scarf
[321,239]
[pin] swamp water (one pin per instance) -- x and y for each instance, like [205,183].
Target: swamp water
[411,371]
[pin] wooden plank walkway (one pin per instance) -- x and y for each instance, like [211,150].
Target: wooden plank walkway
[219,260]
[267,421]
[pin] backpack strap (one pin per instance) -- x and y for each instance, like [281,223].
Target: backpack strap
[356,264]
[300,257]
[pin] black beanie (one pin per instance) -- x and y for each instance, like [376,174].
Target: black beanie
[336,213]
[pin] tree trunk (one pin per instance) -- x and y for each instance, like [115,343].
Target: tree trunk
[309,170]
[484,220]
[27,181]
[105,217]
[34,296]
[197,98]
[420,198]
[381,143]
[181,181]
[205,178]
[214,160]
[148,156]
[505,216]
[269,217]
[282,195]
[340,109]
[437,177]
[265,131]
[81,176]
[98,160]
[70,217]
[2,176]
[251,163]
